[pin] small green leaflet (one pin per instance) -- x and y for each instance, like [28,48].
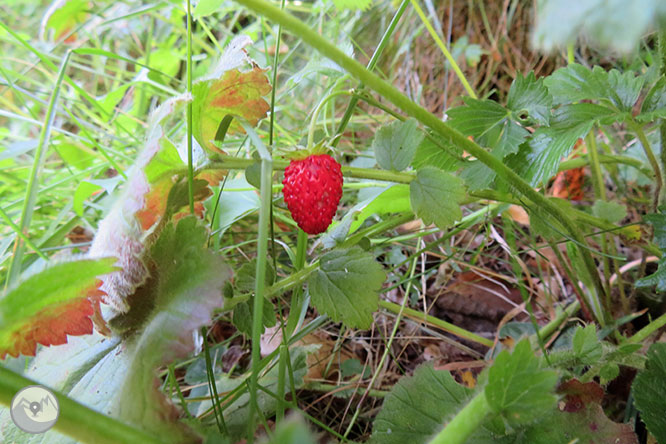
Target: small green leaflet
[395,144]
[346,286]
[518,388]
[586,346]
[649,390]
[436,197]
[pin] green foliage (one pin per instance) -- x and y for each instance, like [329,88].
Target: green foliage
[292,431]
[417,407]
[649,390]
[395,144]
[436,196]
[611,23]
[519,389]
[346,286]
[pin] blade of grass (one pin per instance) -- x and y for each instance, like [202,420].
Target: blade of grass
[190,167]
[33,181]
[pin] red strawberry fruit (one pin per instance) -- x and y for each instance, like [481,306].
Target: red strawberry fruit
[312,191]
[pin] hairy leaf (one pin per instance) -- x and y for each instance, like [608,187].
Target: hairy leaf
[48,306]
[395,144]
[418,407]
[589,425]
[649,390]
[518,388]
[346,286]
[119,378]
[436,196]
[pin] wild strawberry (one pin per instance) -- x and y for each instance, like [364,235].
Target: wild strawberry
[312,191]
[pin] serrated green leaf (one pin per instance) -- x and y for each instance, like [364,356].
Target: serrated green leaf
[436,196]
[612,212]
[395,144]
[530,95]
[490,124]
[429,153]
[539,158]
[418,407]
[609,372]
[518,388]
[649,390]
[575,82]
[346,286]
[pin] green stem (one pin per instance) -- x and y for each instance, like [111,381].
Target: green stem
[553,325]
[446,326]
[259,287]
[392,94]
[371,66]
[33,181]
[20,234]
[444,49]
[315,115]
[190,166]
[76,420]
[662,71]
[387,348]
[646,331]
[638,129]
[228,163]
[466,422]
[600,193]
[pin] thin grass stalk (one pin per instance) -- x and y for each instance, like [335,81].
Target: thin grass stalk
[387,348]
[190,166]
[33,181]
[371,66]
[259,288]
[444,49]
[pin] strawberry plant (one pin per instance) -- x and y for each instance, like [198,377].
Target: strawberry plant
[220,226]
